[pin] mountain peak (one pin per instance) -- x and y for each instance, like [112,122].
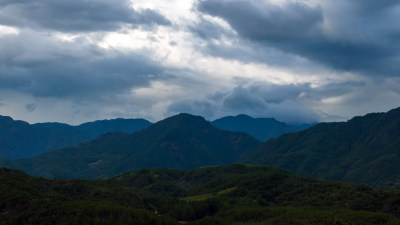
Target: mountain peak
[187,116]
[244,116]
[6,119]
[184,120]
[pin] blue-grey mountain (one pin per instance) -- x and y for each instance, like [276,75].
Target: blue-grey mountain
[261,128]
[182,141]
[19,139]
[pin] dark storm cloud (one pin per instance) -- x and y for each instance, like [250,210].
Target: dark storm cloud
[265,22]
[290,103]
[207,30]
[241,101]
[76,15]
[358,36]
[373,6]
[30,107]
[44,67]
[254,100]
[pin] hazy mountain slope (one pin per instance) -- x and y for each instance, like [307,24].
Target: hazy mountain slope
[182,141]
[261,128]
[19,139]
[362,150]
[100,127]
[234,194]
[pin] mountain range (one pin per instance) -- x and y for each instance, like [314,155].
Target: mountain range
[365,149]
[261,128]
[182,141]
[19,139]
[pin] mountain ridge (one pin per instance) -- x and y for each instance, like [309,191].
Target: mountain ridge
[182,141]
[365,149]
[261,128]
[19,139]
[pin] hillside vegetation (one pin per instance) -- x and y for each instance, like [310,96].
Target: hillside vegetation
[365,149]
[234,194]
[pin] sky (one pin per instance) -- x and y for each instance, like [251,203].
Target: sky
[298,61]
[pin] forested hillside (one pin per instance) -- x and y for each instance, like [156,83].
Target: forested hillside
[365,149]
[235,194]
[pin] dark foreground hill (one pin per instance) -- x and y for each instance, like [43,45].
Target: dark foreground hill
[234,194]
[362,150]
[182,141]
[261,128]
[19,139]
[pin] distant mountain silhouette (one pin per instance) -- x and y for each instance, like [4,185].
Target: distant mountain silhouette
[261,128]
[19,139]
[365,149]
[182,141]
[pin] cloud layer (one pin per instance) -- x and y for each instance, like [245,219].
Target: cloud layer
[295,60]
[76,15]
[44,67]
[349,36]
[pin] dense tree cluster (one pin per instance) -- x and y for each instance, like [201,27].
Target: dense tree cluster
[235,194]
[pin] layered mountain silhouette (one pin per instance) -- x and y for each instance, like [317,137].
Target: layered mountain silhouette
[19,139]
[261,128]
[365,149]
[182,141]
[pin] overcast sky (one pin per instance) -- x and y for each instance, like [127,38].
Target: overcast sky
[299,61]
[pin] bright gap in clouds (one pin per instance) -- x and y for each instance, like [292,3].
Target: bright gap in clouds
[207,57]
[5,30]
